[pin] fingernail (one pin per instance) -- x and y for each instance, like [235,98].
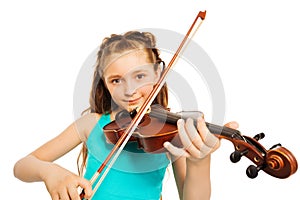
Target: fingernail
[200,119]
[180,121]
[166,144]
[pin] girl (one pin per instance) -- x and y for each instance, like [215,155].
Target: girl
[128,66]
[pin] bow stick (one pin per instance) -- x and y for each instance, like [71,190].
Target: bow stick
[119,146]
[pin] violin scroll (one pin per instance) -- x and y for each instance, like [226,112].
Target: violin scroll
[280,162]
[277,161]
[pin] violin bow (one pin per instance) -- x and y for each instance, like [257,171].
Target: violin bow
[119,146]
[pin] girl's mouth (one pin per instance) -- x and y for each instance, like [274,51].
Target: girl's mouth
[133,101]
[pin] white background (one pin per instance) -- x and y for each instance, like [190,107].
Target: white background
[254,45]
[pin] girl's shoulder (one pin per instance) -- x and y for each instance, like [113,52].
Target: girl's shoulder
[85,124]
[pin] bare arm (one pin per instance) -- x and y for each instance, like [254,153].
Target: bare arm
[39,166]
[34,166]
[192,169]
[192,179]
[197,184]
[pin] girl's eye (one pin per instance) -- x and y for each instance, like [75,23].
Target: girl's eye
[140,76]
[116,81]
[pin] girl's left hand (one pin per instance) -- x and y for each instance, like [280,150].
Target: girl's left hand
[197,143]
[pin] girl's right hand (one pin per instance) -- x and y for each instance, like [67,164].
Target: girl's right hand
[63,184]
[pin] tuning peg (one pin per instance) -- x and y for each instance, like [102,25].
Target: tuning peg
[275,145]
[236,155]
[259,136]
[252,171]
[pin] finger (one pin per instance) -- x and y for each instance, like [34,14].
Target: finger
[55,196]
[73,193]
[189,132]
[184,138]
[86,185]
[63,194]
[175,151]
[205,150]
[201,149]
[232,124]
[184,130]
[207,137]
[193,133]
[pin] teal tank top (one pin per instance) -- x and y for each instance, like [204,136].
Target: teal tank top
[136,175]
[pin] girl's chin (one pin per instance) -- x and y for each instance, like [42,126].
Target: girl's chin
[132,107]
[129,108]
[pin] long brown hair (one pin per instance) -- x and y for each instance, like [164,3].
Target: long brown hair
[111,48]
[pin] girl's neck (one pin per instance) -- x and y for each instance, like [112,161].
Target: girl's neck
[114,113]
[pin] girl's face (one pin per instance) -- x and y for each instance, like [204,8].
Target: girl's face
[130,79]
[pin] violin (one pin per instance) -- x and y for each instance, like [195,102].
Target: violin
[139,127]
[160,125]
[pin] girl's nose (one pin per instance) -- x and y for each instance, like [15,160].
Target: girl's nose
[130,89]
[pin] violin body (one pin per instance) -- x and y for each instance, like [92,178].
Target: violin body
[159,126]
[149,136]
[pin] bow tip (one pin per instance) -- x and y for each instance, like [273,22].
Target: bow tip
[202,14]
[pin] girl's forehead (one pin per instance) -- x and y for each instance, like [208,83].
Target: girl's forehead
[128,63]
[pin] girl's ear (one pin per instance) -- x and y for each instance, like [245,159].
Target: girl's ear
[157,73]
[104,82]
